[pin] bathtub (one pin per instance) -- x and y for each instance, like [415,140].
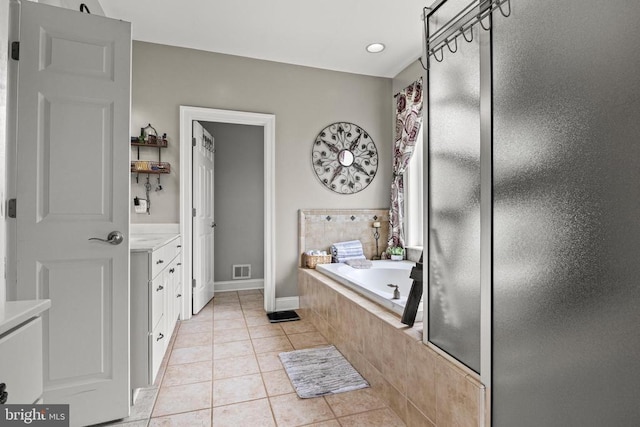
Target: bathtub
[372,282]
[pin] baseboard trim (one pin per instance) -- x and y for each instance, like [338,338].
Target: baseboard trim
[238,285]
[287,303]
[282,304]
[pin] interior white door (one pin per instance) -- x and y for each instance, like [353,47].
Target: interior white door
[72,184]
[203,221]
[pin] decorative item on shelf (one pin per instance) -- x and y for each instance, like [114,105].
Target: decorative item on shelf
[396,253]
[344,158]
[149,139]
[376,235]
[149,167]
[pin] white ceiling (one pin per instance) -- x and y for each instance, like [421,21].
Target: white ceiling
[329,34]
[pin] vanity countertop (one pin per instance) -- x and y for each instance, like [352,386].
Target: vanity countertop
[18,312]
[150,241]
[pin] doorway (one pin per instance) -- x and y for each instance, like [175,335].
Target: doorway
[267,121]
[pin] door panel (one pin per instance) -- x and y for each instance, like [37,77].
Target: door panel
[65,334]
[72,184]
[57,188]
[203,221]
[88,58]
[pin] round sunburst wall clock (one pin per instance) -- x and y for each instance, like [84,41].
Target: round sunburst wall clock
[344,157]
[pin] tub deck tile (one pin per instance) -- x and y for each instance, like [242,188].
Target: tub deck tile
[421,385]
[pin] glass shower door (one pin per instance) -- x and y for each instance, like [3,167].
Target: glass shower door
[454,197]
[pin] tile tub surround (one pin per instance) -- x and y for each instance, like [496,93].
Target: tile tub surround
[422,385]
[320,228]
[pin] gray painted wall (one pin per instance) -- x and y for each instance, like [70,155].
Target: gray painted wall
[407,76]
[304,100]
[239,198]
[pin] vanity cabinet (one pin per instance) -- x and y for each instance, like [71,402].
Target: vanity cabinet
[21,367]
[156,291]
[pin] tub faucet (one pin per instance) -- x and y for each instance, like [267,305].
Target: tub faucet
[396,292]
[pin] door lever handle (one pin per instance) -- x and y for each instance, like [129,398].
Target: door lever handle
[114,238]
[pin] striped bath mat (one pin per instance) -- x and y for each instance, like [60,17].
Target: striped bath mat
[320,371]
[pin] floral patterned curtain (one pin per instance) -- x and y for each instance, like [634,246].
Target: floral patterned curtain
[408,122]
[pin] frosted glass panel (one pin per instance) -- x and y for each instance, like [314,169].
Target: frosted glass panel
[566,208]
[454,191]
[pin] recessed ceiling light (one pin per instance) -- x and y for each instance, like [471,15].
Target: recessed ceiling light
[375,48]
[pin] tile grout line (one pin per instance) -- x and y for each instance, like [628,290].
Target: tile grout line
[261,372]
[268,397]
[213,355]
[168,357]
[164,368]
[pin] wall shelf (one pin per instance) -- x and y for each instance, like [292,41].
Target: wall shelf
[149,167]
[162,143]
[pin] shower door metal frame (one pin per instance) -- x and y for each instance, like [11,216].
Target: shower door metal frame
[486,204]
[486,208]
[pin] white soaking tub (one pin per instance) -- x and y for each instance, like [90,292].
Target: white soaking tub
[372,282]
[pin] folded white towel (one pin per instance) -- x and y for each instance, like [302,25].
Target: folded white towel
[351,249]
[345,259]
[358,263]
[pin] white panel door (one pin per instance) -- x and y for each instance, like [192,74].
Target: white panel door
[203,221]
[72,184]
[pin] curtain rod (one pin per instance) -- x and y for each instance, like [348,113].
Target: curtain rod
[408,86]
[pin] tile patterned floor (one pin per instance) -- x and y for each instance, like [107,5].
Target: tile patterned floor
[222,370]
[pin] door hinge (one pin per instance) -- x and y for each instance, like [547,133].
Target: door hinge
[15,51]
[193,142]
[193,212]
[193,283]
[11,208]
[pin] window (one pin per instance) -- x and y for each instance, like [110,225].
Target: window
[413,195]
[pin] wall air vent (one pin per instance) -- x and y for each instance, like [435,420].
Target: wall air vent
[241,271]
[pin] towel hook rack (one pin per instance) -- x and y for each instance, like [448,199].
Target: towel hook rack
[433,52]
[469,40]
[508,14]
[455,39]
[463,21]
[480,18]
[424,67]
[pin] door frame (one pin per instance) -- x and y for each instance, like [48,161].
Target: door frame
[268,122]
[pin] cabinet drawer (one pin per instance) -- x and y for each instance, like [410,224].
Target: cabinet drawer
[159,260]
[21,367]
[173,248]
[159,288]
[177,300]
[159,339]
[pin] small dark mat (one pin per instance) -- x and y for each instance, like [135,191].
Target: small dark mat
[283,316]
